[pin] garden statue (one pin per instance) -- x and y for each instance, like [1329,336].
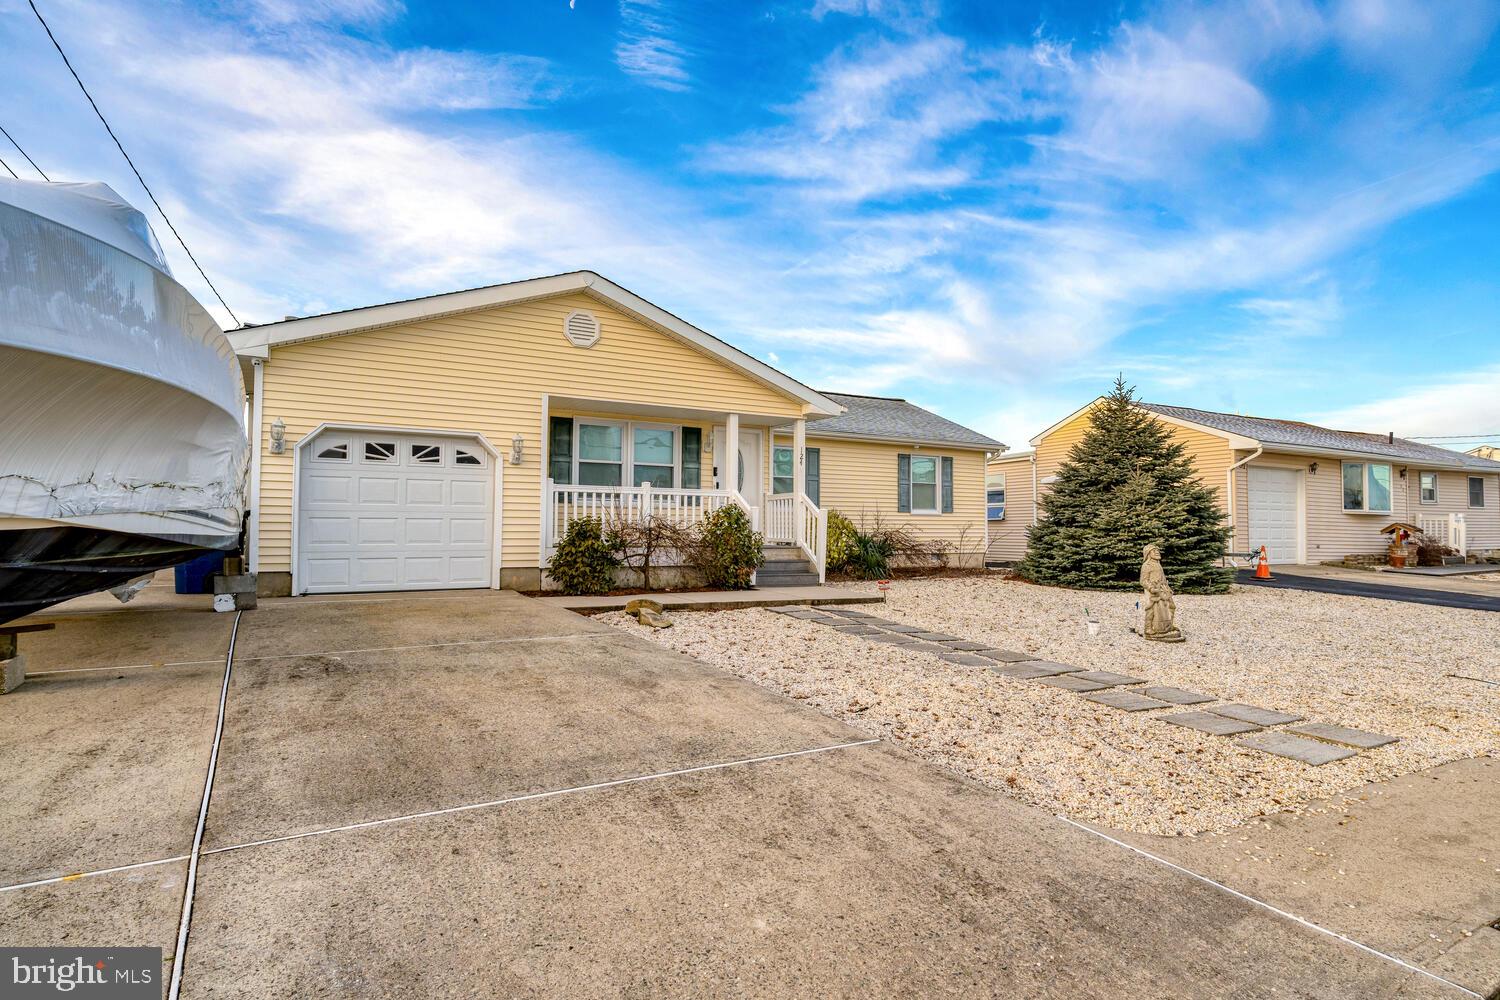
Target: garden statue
[1160,608]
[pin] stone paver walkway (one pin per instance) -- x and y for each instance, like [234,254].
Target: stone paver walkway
[1312,743]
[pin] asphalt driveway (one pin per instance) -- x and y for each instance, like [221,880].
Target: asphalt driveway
[479,795]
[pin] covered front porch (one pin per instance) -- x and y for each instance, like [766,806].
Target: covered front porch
[621,461]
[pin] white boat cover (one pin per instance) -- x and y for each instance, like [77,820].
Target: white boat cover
[121,402]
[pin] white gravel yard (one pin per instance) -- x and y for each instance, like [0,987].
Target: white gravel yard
[1369,664]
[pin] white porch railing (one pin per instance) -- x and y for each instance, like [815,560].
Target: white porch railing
[685,508]
[1448,529]
[793,519]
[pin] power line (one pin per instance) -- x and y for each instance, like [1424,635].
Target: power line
[23,152]
[7,167]
[121,148]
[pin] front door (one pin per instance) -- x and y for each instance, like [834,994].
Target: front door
[751,482]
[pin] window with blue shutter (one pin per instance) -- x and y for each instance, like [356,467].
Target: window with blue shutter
[692,458]
[903,483]
[947,485]
[814,476]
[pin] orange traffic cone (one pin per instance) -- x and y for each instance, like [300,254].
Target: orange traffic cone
[1263,568]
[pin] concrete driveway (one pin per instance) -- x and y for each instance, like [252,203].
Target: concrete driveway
[479,795]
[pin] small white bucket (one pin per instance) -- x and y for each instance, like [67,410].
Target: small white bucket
[1093,628]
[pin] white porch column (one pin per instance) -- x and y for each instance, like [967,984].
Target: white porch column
[799,457]
[728,473]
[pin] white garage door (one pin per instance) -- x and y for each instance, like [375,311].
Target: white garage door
[1273,513]
[381,511]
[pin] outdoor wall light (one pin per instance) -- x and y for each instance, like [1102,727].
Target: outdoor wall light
[278,436]
[517,447]
[1312,468]
[1403,472]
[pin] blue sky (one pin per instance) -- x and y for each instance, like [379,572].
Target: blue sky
[1271,206]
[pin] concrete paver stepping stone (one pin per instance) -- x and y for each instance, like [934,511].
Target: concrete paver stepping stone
[1007,655]
[1125,701]
[906,629]
[936,636]
[1071,682]
[1108,677]
[1342,735]
[855,629]
[1215,725]
[1031,670]
[965,645]
[1253,714]
[927,647]
[1178,696]
[1296,748]
[892,640]
[964,659]
[848,613]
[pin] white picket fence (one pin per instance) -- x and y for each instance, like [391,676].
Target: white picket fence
[793,519]
[1448,529]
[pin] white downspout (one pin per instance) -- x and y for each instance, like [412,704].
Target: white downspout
[1229,494]
[257,415]
[1035,500]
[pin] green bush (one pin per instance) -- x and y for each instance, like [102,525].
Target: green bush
[728,552]
[871,559]
[583,562]
[841,534]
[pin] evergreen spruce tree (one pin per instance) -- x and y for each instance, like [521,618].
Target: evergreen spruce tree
[1125,484]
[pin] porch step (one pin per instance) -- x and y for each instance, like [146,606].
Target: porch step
[786,566]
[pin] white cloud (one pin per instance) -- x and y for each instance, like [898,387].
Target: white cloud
[647,49]
[1458,403]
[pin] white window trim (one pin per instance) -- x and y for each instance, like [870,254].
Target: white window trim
[1436,480]
[578,461]
[364,455]
[1469,486]
[937,485]
[1365,494]
[793,477]
[627,449]
[676,429]
[349,450]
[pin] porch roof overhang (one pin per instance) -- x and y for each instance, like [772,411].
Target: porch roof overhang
[664,412]
[256,341]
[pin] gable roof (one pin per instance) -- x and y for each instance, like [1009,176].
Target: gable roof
[256,341]
[1302,436]
[885,418]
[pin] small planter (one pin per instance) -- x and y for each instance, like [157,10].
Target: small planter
[1093,627]
[1396,556]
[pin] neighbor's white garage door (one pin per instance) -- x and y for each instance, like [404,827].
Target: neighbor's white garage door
[1273,513]
[381,511]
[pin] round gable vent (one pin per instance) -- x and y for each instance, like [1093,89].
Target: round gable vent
[581,329]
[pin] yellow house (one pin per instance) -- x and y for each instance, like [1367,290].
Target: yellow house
[448,441]
[1308,494]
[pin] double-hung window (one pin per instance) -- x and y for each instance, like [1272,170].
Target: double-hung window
[924,484]
[654,455]
[1476,491]
[1367,487]
[601,453]
[1427,483]
[782,470]
[994,496]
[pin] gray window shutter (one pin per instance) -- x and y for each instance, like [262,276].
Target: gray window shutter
[947,485]
[903,483]
[814,476]
[560,450]
[692,458]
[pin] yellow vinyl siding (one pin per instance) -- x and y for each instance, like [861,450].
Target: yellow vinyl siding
[858,479]
[487,372]
[1008,537]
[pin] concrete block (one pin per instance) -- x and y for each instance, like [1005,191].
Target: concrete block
[1125,701]
[964,659]
[12,673]
[280,584]
[1006,655]
[1296,748]
[244,583]
[1071,682]
[1252,714]
[1177,696]
[1108,677]
[1357,738]
[1031,670]
[1214,725]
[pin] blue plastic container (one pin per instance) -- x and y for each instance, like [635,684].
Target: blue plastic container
[196,576]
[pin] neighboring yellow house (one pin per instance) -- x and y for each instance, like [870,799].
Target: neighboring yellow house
[447,441]
[1309,494]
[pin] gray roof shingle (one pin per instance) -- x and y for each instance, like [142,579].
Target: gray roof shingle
[1297,434]
[889,419]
